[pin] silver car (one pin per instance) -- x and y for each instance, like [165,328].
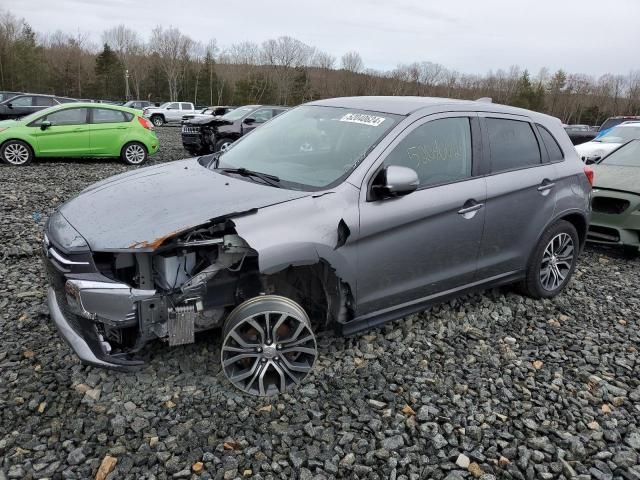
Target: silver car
[343,213]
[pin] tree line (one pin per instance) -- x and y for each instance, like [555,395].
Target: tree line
[170,65]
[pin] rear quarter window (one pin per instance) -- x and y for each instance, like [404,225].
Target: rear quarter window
[513,144]
[551,144]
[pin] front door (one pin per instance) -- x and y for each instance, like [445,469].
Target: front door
[426,242]
[67,133]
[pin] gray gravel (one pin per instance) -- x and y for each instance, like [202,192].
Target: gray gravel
[490,386]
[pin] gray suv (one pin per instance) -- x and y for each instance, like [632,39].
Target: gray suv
[341,213]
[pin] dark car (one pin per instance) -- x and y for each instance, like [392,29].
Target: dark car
[28,103]
[611,122]
[339,214]
[7,95]
[202,135]
[138,104]
[580,133]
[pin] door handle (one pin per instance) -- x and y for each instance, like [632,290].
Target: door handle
[546,185]
[469,207]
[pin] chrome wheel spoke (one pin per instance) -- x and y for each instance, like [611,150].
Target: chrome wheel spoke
[557,261]
[268,351]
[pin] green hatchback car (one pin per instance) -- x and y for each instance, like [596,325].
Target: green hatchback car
[78,130]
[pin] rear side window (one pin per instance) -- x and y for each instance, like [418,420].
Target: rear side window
[550,143]
[513,144]
[103,115]
[43,101]
[185,106]
[439,151]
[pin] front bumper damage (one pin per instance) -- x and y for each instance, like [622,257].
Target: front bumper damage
[171,295]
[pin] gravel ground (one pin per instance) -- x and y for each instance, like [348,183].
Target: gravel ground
[493,385]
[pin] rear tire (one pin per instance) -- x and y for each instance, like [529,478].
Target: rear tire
[223,145]
[16,153]
[552,262]
[134,153]
[268,345]
[157,120]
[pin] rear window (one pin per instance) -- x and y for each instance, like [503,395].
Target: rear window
[103,115]
[43,101]
[612,122]
[550,143]
[513,144]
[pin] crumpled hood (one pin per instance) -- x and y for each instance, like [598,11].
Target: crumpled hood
[616,177]
[595,149]
[208,119]
[136,210]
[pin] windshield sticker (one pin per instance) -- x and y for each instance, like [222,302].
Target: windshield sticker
[363,119]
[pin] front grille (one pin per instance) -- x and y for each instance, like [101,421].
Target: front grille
[612,206]
[189,129]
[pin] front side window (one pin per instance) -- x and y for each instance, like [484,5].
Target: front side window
[237,114]
[262,115]
[173,106]
[513,144]
[439,151]
[310,147]
[71,116]
[550,143]
[22,101]
[103,115]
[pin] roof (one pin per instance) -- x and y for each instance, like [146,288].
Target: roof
[94,105]
[400,105]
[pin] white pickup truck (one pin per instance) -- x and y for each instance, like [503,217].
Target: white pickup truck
[169,112]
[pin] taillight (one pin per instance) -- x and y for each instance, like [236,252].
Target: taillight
[145,123]
[588,171]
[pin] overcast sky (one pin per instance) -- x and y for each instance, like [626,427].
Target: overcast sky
[471,36]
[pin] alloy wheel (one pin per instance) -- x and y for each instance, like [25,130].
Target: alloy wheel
[16,154]
[266,352]
[134,154]
[225,146]
[557,261]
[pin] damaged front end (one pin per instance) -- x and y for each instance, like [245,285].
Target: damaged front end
[111,304]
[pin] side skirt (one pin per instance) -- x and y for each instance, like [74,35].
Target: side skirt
[375,319]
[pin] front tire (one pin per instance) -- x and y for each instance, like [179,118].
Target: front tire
[223,145]
[553,261]
[134,153]
[268,345]
[16,153]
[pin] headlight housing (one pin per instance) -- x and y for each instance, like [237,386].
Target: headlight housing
[63,234]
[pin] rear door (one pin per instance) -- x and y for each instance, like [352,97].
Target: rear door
[67,136]
[426,242]
[521,193]
[108,131]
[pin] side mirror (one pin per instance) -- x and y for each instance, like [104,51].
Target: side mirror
[10,105]
[592,160]
[396,181]
[169,108]
[249,121]
[44,125]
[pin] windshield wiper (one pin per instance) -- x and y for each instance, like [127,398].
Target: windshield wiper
[265,177]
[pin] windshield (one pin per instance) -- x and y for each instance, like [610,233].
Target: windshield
[165,105]
[238,113]
[626,156]
[310,147]
[621,134]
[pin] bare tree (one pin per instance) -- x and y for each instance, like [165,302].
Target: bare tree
[172,48]
[352,62]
